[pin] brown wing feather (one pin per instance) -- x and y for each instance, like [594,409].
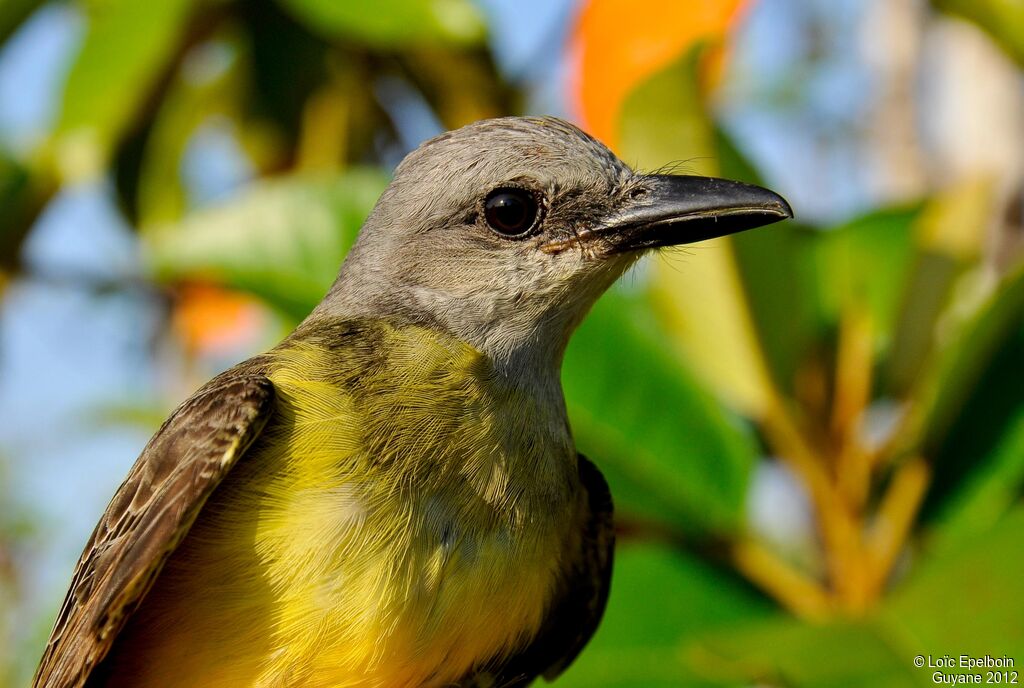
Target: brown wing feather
[574,617]
[148,517]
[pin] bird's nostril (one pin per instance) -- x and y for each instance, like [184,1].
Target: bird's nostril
[638,192]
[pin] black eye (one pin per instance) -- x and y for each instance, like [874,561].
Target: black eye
[511,212]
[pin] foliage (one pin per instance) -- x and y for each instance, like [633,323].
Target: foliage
[877,360]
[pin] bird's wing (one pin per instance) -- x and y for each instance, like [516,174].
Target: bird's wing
[575,615]
[148,517]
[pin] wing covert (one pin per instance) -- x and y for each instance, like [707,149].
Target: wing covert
[147,518]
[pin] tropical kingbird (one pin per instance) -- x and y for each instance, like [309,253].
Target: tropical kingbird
[391,497]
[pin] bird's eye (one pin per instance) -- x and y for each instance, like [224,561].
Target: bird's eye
[511,212]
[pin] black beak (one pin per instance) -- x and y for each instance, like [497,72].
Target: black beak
[677,209]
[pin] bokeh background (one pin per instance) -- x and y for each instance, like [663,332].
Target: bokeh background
[814,431]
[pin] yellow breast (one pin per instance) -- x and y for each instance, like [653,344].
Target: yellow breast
[396,524]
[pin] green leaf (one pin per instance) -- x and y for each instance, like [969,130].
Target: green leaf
[968,599]
[665,122]
[979,464]
[950,233]
[24,192]
[390,23]
[953,371]
[660,601]
[665,125]
[964,601]
[282,240]
[791,653]
[13,13]
[806,278]
[868,260]
[782,285]
[1002,19]
[988,492]
[188,102]
[667,448]
[126,50]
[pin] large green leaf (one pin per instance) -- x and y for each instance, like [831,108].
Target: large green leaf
[699,294]
[964,601]
[660,601]
[667,448]
[979,463]
[807,278]
[791,653]
[282,240]
[783,285]
[664,121]
[389,23]
[950,233]
[989,490]
[867,260]
[126,50]
[953,370]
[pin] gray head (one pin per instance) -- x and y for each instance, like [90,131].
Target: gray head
[506,231]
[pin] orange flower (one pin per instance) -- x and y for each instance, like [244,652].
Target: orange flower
[617,44]
[210,319]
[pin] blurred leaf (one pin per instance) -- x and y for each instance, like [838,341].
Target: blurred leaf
[1002,19]
[990,490]
[206,87]
[14,184]
[701,302]
[621,44]
[286,63]
[13,13]
[23,194]
[461,85]
[660,601]
[966,600]
[957,221]
[782,284]
[390,23]
[979,464]
[923,617]
[950,233]
[281,240]
[801,655]
[664,121]
[667,448]
[867,260]
[126,49]
[953,370]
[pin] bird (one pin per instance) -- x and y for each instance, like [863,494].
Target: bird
[391,497]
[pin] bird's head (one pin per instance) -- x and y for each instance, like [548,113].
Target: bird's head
[506,231]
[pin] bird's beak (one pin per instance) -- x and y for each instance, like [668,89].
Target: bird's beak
[677,209]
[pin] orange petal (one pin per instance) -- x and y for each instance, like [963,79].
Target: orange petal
[617,44]
[210,319]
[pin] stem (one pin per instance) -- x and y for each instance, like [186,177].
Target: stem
[794,590]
